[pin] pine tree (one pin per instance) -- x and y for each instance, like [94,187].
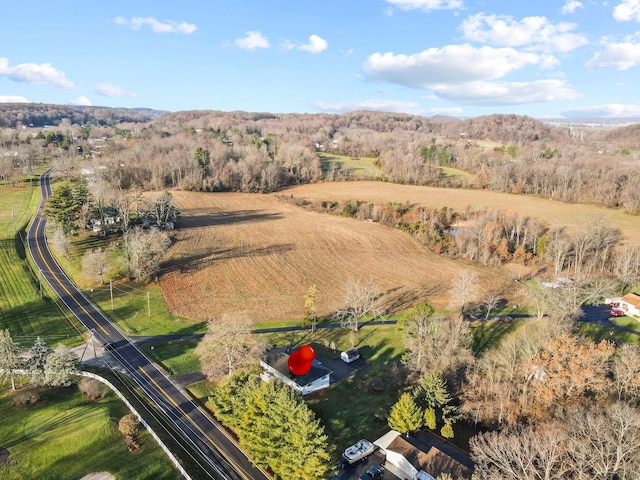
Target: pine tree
[405,416]
[433,395]
[61,367]
[38,354]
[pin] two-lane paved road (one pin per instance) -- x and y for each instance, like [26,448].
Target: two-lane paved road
[216,448]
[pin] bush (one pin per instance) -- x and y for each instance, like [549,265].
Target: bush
[375,384]
[92,389]
[26,397]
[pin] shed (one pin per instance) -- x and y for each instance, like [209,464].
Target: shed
[350,355]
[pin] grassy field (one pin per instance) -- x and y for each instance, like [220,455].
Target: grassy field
[22,310]
[175,356]
[356,168]
[66,436]
[554,213]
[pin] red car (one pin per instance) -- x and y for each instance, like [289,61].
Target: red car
[617,313]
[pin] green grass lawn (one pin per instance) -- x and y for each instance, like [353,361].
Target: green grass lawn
[358,168]
[22,310]
[176,356]
[457,174]
[599,332]
[66,436]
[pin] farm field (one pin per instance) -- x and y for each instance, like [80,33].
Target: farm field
[555,213]
[251,255]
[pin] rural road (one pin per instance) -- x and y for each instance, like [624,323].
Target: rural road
[221,458]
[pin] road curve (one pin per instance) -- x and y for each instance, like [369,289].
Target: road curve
[217,449]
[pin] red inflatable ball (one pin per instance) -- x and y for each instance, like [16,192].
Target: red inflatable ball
[307,353]
[297,365]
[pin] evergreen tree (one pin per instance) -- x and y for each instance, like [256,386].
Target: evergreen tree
[38,354]
[274,425]
[9,360]
[433,395]
[61,367]
[64,207]
[405,416]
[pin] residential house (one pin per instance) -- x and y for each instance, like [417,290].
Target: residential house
[421,457]
[276,366]
[630,304]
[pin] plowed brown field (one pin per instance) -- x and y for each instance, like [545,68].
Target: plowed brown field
[252,255]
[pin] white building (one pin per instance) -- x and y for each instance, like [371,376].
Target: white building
[411,459]
[276,365]
[630,304]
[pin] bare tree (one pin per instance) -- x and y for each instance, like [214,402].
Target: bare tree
[490,302]
[9,360]
[465,287]
[438,344]
[604,443]
[626,373]
[532,453]
[361,300]
[96,264]
[61,242]
[228,346]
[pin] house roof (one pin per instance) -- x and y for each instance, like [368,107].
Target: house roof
[278,359]
[632,299]
[432,460]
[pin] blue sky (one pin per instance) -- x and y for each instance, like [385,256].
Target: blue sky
[545,58]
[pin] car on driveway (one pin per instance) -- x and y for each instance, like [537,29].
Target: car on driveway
[617,313]
[373,473]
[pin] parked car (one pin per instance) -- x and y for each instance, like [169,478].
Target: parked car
[617,313]
[373,473]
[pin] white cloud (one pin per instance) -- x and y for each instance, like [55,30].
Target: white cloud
[252,41]
[83,101]
[388,12]
[427,5]
[505,93]
[374,104]
[627,10]
[34,74]
[13,99]
[136,23]
[453,64]
[620,56]
[448,111]
[108,90]
[537,33]
[607,110]
[571,6]
[316,45]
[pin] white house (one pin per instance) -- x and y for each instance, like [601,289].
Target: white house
[276,365]
[411,459]
[630,304]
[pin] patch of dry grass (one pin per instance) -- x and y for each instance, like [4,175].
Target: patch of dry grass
[555,213]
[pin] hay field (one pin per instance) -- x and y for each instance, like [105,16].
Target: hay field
[254,256]
[554,213]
